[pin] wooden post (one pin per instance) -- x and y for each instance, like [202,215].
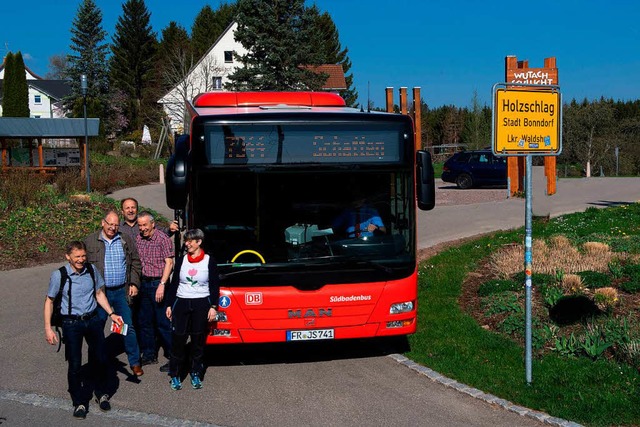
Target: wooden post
[403,100]
[5,160]
[40,155]
[417,118]
[83,163]
[550,161]
[512,173]
[389,92]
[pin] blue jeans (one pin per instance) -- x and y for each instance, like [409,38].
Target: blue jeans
[74,332]
[118,301]
[152,318]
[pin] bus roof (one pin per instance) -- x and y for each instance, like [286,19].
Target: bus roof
[266,99]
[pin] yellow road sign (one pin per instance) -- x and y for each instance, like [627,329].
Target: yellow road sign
[527,120]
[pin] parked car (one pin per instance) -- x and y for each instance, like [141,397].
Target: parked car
[475,168]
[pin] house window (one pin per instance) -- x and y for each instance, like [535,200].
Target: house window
[217,83]
[228,56]
[38,99]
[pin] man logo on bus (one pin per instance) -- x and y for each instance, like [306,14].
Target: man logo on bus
[309,312]
[253,298]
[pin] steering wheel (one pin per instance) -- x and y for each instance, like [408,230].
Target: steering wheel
[248,251]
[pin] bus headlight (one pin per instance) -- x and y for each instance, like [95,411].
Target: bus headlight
[221,316]
[401,307]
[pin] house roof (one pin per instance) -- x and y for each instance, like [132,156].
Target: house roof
[23,127]
[56,89]
[27,69]
[195,66]
[336,80]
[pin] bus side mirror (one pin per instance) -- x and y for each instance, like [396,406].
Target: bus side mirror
[425,181]
[176,176]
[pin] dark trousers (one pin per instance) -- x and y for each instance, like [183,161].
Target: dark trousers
[74,332]
[118,301]
[152,319]
[188,318]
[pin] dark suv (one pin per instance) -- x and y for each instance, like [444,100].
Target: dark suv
[475,168]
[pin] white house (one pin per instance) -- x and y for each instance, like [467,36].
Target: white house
[45,96]
[209,74]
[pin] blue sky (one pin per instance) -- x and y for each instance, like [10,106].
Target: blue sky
[447,48]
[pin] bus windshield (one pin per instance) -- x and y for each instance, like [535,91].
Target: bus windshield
[308,198]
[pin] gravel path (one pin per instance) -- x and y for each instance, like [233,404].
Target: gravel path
[448,194]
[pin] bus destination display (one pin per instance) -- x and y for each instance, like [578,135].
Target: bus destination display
[262,144]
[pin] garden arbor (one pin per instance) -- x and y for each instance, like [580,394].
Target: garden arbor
[35,131]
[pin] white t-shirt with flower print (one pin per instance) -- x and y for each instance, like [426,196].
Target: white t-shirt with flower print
[194,279]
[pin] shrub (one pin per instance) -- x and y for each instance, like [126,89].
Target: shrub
[572,284]
[505,302]
[632,271]
[595,279]
[551,294]
[24,188]
[606,298]
[632,286]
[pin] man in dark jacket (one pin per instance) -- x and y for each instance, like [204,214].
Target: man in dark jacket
[116,256]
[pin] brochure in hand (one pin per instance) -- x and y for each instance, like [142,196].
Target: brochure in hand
[122,330]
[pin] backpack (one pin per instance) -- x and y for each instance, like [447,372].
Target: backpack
[56,315]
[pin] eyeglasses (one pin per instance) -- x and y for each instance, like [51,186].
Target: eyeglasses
[116,225]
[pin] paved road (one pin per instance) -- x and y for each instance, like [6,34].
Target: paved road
[341,384]
[447,223]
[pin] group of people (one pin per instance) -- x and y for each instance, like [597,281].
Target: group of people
[125,272]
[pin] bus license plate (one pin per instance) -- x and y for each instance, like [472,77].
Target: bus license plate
[314,334]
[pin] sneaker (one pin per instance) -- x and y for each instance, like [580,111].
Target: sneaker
[175,383]
[103,403]
[165,367]
[80,412]
[195,381]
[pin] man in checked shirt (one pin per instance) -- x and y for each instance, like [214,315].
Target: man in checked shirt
[156,254]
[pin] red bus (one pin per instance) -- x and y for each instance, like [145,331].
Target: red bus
[265,175]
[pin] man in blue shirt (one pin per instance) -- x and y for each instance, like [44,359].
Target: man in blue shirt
[81,322]
[359,221]
[116,256]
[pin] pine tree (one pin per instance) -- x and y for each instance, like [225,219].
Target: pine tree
[208,26]
[15,102]
[175,56]
[87,40]
[276,35]
[333,53]
[133,62]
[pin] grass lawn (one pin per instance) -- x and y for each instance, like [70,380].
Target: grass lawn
[600,392]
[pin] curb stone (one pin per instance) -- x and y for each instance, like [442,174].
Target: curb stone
[479,394]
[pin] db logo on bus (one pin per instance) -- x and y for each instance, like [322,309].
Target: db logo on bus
[253,298]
